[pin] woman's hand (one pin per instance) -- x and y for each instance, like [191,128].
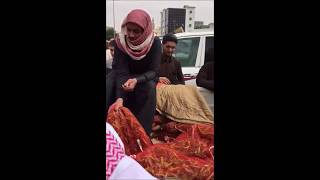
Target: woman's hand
[116,105]
[130,85]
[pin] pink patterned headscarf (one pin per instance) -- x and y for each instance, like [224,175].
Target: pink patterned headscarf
[138,48]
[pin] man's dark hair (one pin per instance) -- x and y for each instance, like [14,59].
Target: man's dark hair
[169,37]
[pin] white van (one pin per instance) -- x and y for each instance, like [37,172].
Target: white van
[193,50]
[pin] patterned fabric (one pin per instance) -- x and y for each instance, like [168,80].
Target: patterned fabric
[115,152]
[132,134]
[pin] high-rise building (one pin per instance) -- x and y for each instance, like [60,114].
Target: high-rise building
[177,19]
[190,18]
[172,19]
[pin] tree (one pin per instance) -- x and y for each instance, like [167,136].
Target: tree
[109,33]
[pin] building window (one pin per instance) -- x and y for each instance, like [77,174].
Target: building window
[190,25]
[190,19]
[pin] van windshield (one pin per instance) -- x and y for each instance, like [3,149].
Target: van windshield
[187,50]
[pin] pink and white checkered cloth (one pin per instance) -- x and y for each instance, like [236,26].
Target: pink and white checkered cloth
[115,151]
[119,165]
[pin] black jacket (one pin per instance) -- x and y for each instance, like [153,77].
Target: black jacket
[144,70]
[171,69]
[205,76]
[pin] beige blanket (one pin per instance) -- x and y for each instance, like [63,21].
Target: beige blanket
[183,103]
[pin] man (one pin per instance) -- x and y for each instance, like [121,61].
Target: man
[205,76]
[109,55]
[170,69]
[110,79]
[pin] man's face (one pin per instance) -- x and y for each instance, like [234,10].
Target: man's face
[111,48]
[169,47]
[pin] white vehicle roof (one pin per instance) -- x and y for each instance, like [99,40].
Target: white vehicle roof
[201,33]
[188,34]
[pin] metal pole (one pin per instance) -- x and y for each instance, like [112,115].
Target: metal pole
[114,26]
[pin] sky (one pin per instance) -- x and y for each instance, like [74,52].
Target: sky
[204,9]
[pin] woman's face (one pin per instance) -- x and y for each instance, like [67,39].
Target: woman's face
[133,31]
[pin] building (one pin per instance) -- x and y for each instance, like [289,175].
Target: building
[211,25]
[190,18]
[153,26]
[171,19]
[157,30]
[181,19]
[162,23]
[198,24]
[204,27]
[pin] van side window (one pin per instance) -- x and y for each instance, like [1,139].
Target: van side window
[209,49]
[187,50]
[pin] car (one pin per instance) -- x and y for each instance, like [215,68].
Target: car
[193,50]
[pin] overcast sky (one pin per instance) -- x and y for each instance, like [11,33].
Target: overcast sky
[203,12]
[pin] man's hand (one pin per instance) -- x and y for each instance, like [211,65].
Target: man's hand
[130,85]
[156,127]
[164,80]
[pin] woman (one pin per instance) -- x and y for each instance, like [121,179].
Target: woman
[136,64]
